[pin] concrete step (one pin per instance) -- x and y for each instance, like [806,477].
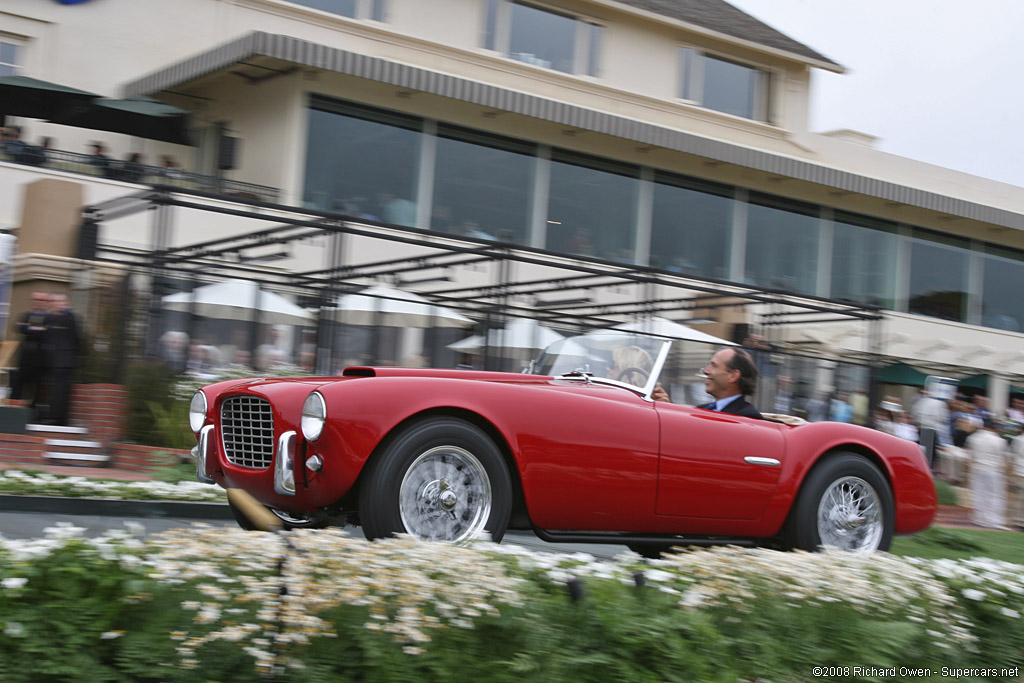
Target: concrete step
[45,430]
[74,451]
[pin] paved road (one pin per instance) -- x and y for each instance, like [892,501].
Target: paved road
[19,525]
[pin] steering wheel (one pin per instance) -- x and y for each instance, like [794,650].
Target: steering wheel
[629,374]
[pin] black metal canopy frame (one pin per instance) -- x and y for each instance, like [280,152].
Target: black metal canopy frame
[570,292]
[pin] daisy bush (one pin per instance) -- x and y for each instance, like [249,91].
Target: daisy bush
[205,603]
[17,482]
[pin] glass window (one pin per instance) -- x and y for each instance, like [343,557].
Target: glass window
[690,227]
[542,37]
[592,207]
[362,162]
[9,62]
[938,275]
[723,85]
[483,185]
[357,9]
[346,8]
[863,260]
[782,244]
[1002,307]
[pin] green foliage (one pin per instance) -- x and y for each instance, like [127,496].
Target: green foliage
[149,386]
[942,542]
[208,605]
[945,492]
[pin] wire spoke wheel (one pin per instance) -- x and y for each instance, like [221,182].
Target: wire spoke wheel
[850,515]
[445,495]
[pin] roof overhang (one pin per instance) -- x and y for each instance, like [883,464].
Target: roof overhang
[313,55]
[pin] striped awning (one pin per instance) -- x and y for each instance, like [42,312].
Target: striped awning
[314,55]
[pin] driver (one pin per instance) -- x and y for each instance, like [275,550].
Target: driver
[730,376]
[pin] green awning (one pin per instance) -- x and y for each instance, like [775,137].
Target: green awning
[901,373]
[975,382]
[139,116]
[36,99]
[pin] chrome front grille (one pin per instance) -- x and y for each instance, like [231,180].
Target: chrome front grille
[247,431]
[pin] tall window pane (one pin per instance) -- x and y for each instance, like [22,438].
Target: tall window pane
[482,185]
[864,260]
[9,62]
[782,245]
[362,162]
[1002,306]
[346,8]
[594,33]
[690,228]
[938,275]
[592,207]
[541,37]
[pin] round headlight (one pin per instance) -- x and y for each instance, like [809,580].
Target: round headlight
[314,414]
[197,411]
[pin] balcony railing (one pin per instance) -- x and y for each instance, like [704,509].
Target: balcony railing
[130,172]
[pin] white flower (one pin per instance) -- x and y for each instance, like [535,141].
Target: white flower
[110,635]
[13,628]
[13,582]
[973,594]
[1012,613]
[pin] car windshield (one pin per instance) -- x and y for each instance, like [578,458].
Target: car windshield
[620,356]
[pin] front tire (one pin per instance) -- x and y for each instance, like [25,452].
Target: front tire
[440,479]
[844,503]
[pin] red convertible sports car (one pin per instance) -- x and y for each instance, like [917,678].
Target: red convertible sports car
[576,450]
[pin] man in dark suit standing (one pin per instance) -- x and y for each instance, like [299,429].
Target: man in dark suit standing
[63,346]
[32,364]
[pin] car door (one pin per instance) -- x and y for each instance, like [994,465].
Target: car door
[716,465]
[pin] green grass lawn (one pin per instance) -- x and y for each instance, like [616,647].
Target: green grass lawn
[938,542]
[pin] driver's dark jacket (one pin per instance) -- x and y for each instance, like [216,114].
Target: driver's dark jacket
[737,406]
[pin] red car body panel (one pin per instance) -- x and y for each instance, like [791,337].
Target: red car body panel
[590,456]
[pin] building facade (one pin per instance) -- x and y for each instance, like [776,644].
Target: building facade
[672,135]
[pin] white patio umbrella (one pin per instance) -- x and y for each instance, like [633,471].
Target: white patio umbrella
[238,300]
[518,334]
[662,327]
[383,305]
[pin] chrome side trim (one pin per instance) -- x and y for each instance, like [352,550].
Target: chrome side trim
[767,462]
[284,465]
[203,473]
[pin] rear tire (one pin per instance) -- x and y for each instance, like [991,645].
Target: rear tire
[439,479]
[845,503]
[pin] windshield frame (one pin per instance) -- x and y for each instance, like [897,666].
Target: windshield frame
[645,391]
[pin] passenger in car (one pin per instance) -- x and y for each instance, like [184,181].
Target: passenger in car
[630,364]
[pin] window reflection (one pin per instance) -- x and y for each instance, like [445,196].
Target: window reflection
[541,37]
[362,162]
[938,276]
[346,8]
[482,185]
[592,207]
[723,85]
[691,224]
[782,245]
[1002,306]
[863,260]
[357,9]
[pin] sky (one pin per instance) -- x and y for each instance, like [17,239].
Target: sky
[935,80]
